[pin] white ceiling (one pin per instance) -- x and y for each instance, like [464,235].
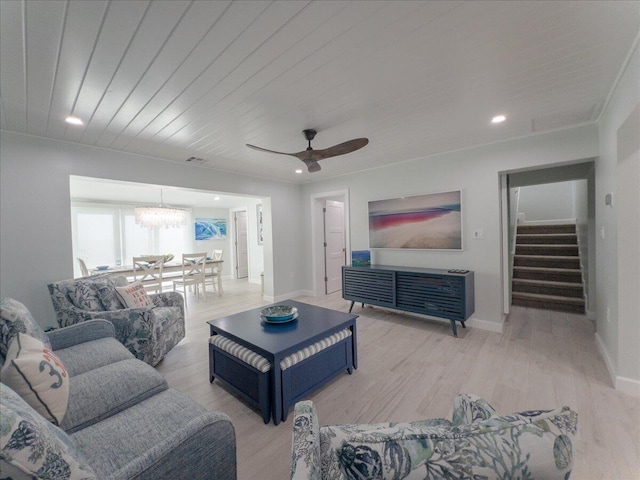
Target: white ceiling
[114,191]
[177,79]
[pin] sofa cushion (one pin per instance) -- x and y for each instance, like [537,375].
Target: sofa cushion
[518,445]
[139,436]
[134,296]
[106,292]
[32,447]
[38,376]
[84,296]
[469,408]
[105,391]
[306,455]
[333,437]
[87,356]
[14,318]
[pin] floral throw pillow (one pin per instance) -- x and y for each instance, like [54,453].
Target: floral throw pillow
[15,318]
[32,447]
[108,296]
[134,296]
[85,296]
[524,445]
[38,376]
[468,408]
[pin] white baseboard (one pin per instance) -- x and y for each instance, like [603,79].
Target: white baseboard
[628,385]
[560,221]
[290,295]
[486,325]
[624,384]
[607,359]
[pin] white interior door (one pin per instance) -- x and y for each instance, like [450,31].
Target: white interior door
[334,251]
[241,245]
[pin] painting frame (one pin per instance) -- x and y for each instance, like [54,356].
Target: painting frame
[430,221]
[210,228]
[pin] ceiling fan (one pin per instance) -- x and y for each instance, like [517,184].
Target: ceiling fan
[310,156]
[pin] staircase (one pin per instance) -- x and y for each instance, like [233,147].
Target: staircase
[546,271]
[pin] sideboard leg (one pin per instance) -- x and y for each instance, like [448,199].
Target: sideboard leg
[351,307]
[453,327]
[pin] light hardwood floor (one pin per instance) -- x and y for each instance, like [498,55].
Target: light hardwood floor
[411,368]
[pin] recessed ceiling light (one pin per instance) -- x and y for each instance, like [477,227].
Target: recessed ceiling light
[73,120]
[216,198]
[298,170]
[498,119]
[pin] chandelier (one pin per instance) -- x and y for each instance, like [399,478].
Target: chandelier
[160,216]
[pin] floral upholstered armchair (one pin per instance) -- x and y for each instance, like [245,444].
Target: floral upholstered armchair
[149,333]
[479,444]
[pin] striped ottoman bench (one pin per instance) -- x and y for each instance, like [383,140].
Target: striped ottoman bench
[248,373]
[243,370]
[313,366]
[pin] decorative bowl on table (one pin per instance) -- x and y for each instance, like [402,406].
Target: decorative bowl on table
[102,267]
[279,313]
[168,257]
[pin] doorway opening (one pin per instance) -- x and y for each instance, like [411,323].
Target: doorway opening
[536,206]
[329,240]
[240,244]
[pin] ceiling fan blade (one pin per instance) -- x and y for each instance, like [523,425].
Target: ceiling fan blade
[340,149]
[312,165]
[310,156]
[271,151]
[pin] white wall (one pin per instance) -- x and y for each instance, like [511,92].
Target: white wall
[476,173]
[35,219]
[618,337]
[551,201]
[628,203]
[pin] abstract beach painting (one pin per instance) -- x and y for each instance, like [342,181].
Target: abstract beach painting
[431,221]
[211,228]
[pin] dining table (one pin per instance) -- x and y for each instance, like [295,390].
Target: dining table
[173,268]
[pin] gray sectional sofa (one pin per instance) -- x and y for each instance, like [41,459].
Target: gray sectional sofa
[122,420]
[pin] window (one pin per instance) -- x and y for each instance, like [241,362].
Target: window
[107,234]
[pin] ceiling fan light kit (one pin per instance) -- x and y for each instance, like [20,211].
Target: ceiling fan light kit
[310,156]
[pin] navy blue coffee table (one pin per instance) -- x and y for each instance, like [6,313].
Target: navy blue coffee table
[275,342]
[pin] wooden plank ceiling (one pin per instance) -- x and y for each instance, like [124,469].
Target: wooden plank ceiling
[176,79]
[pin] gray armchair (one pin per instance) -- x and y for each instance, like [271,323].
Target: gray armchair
[148,333]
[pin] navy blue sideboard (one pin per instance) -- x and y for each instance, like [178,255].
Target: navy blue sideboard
[429,291]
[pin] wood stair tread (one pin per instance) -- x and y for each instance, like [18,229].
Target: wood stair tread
[555,257]
[545,269]
[548,283]
[546,235]
[548,298]
[547,245]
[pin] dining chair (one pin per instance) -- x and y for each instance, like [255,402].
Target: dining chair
[148,270]
[83,267]
[193,274]
[212,275]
